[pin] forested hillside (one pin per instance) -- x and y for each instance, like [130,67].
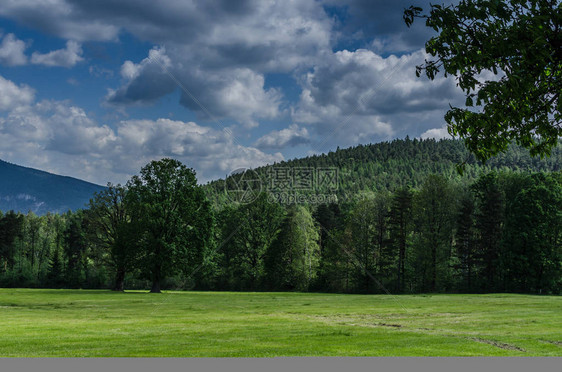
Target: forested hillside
[388,166]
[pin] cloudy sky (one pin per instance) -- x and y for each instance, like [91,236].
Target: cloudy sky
[96,89]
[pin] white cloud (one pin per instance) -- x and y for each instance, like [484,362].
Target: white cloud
[130,70]
[279,139]
[212,152]
[222,52]
[62,138]
[13,96]
[12,51]
[238,94]
[436,133]
[67,57]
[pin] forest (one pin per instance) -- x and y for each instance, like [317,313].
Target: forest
[404,221]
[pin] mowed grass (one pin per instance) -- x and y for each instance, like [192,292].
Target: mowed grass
[96,323]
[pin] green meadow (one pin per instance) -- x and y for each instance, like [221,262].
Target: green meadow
[98,323]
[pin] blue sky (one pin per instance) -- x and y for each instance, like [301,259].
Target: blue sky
[96,89]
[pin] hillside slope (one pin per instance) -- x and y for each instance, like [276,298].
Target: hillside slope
[25,189]
[399,163]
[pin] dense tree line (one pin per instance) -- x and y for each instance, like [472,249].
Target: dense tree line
[501,232]
[388,166]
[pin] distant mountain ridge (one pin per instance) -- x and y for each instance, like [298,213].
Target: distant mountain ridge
[25,189]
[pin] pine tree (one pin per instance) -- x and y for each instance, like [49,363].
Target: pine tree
[55,271]
[400,228]
[466,242]
[434,218]
[489,224]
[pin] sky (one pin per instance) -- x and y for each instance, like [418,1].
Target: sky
[97,89]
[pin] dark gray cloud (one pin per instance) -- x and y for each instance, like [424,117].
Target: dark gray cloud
[249,31]
[60,18]
[380,23]
[235,93]
[146,81]
[219,50]
[361,96]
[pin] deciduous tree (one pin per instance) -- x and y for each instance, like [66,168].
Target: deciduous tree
[174,219]
[519,42]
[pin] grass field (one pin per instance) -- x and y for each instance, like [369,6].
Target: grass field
[88,323]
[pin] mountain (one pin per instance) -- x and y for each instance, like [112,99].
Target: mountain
[25,189]
[387,166]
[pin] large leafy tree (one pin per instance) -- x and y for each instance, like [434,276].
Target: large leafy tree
[174,219]
[291,262]
[257,226]
[111,229]
[531,252]
[520,43]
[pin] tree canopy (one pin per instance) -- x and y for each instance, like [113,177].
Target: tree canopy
[110,227]
[173,216]
[507,58]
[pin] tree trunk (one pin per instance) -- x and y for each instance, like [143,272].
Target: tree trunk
[119,279]
[469,277]
[155,285]
[156,276]
[433,267]
[401,265]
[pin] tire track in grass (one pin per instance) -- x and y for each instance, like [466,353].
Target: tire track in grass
[557,343]
[358,321]
[501,345]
